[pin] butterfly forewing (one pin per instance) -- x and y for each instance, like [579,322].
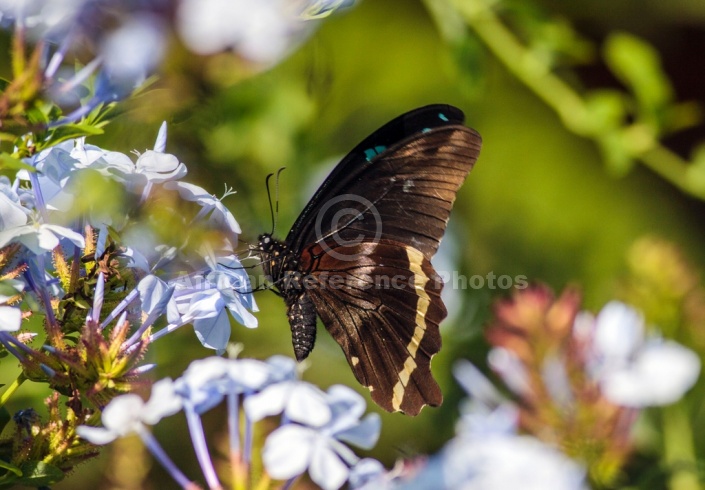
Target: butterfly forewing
[363,172]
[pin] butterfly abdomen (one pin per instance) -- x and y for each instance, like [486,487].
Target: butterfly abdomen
[281,267]
[302,319]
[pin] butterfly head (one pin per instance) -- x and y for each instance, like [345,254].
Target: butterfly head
[273,255]
[265,243]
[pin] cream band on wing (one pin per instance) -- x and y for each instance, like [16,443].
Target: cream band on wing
[416,259]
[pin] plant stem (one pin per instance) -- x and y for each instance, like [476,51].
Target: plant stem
[678,448]
[11,389]
[538,76]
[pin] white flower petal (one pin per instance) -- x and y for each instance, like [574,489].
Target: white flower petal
[326,469]
[44,239]
[248,373]
[162,402]
[75,238]
[12,214]
[152,290]
[307,405]
[160,167]
[287,451]
[476,384]
[365,434]
[10,319]
[508,463]
[160,143]
[661,374]
[505,363]
[123,414]
[96,435]
[270,401]
[367,471]
[213,333]
[619,330]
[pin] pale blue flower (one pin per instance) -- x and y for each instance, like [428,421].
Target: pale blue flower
[200,383]
[204,300]
[10,318]
[213,210]
[159,167]
[133,50]
[297,400]
[128,414]
[632,369]
[488,453]
[512,370]
[53,167]
[206,381]
[12,212]
[369,474]
[500,462]
[40,238]
[152,292]
[292,448]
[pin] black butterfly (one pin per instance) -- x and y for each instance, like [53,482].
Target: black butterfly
[359,254]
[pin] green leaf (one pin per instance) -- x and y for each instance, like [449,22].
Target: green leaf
[70,131]
[638,65]
[36,116]
[10,467]
[38,474]
[8,162]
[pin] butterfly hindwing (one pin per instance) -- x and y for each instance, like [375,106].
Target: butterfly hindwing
[384,310]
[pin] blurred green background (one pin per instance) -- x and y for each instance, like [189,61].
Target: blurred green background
[541,201]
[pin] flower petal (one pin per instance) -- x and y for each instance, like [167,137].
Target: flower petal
[365,434]
[162,402]
[307,405]
[123,414]
[96,435]
[287,451]
[326,469]
[661,374]
[269,401]
[213,333]
[10,319]
[619,330]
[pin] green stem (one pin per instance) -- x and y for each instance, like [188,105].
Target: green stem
[11,389]
[537,75]
[678,448]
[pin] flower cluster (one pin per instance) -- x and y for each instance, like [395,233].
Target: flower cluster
[100,277]
[122,43]
[581,379]
[314,426]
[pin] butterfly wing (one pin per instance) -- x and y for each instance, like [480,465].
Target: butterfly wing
[400,183]
[381,214]
[384,310]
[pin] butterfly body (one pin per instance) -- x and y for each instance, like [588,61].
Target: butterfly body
[283,269]
[359,256]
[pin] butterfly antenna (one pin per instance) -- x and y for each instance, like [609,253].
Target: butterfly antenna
[276,200]
[269,198]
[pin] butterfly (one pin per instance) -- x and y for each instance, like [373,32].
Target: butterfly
[359,255]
